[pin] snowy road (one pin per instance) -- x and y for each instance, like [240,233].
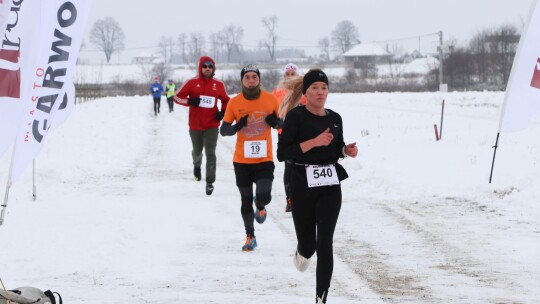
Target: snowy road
[119,218]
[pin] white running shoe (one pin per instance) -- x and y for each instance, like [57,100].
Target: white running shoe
[300,262]
[322,299]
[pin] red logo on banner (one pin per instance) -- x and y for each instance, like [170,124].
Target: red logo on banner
[535,82]
[10,74]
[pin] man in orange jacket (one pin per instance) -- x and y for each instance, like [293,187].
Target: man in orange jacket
[201,95]
[255,113]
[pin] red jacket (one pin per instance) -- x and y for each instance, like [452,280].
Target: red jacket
[201,118]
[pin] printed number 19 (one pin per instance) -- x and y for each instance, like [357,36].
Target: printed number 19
[255,149]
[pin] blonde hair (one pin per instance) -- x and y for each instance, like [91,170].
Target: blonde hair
[293,97]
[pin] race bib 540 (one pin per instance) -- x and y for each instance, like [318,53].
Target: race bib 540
[324,175]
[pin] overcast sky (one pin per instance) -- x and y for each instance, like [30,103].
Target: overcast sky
[302,23]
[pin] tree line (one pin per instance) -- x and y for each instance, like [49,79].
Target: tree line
[484,63]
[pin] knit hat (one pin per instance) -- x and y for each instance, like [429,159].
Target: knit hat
[313,76]
[290,67]
[249,68]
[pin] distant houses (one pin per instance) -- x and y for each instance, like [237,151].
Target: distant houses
[366,55]
[375,55]
[144,58]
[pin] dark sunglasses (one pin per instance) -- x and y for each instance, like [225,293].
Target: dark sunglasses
[207,66]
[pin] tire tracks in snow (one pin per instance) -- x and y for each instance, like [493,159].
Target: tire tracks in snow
[401,283]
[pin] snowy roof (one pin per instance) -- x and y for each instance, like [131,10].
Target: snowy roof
[144,55]
[366,49]
[421,65]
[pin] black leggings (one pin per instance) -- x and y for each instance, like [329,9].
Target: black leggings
[262,174]
[157,105]
[287,178]
[315,213]
[171,103]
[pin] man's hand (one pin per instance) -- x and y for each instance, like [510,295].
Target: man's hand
[219,115]
[271,120]
[241,123]
[195,101]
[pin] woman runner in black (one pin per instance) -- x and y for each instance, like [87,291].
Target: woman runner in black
[312,140]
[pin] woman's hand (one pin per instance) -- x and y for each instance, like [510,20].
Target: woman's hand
[351,150]
[322,139]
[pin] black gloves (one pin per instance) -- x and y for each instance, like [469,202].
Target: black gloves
[241,123]
[219,115]
[195,101]
[272,120]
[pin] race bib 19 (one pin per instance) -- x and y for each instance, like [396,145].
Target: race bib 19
[324,175]
[207,102]
[255,149]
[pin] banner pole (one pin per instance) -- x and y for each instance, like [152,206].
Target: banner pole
[8,185]
[494,152]
[4,205]
[34,197]
[442,115]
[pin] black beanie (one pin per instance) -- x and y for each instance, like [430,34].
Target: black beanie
[313,76]
[249,68]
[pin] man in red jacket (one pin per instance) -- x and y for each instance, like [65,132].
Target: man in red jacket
[201,95]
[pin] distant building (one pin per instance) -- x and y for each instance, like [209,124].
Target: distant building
[365,55]
[144,58]
[411,55]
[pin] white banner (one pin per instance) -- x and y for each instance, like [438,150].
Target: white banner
[49,96]
[10,72]
[522,99]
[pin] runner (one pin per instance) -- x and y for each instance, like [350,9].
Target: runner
[254,112]
[156,89]
[290,71]
[201,94]
[312,141]
[170,90]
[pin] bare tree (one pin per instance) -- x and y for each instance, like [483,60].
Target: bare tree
[182,46]
[395,62]
[270,24]
[504,41]
[324,45]
[108,36]
[480,53]
[166,47]
[216,46]
[344,36]
[196,44]
[161,70]
[231,37]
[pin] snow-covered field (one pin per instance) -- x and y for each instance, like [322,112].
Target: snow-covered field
[119,218]
[113,73]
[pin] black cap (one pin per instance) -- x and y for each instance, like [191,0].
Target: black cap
[313,76]
[249,68]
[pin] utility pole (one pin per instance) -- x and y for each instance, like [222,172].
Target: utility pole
[442,86]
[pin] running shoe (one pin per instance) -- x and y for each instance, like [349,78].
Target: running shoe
[300,262]
[209,188]
[197,173]
[288,207]
[322,298]
[251,243]
[260,215]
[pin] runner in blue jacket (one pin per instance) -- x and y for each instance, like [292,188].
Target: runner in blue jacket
[156,89]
